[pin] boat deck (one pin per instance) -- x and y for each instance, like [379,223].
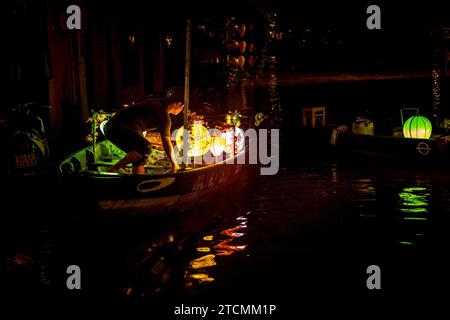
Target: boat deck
[107,155]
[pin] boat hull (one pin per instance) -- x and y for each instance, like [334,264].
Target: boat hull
[407,151]
[155,194]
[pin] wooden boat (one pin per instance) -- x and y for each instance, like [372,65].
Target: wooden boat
[391,148]
[157,191]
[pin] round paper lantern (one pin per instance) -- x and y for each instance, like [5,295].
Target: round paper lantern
[231,45]
[200,140]
[233,61]
[242,46]
[417,127]
[242,30]
[218,145]
[238,139]
[241,61]
[250,61]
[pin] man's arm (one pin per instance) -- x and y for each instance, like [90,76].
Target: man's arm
[168,148]
[166,124]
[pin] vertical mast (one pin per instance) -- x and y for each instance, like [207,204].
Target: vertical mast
[187,74]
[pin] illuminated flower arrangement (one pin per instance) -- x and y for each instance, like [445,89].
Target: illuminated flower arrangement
[95,122]
[234,136]
[233,118]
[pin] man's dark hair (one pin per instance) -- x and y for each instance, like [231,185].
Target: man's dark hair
[174,94]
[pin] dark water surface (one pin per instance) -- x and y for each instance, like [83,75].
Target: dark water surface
[301,240]
[311,232]
[303,237]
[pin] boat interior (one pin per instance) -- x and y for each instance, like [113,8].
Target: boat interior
[107,154]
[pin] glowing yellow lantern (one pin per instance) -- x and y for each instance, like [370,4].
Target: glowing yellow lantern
[417,127]
[218,145]
[200,140]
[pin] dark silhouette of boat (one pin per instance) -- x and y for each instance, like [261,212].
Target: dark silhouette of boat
[157,191]
[407,151]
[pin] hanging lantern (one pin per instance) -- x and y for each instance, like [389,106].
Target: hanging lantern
[242,46]
[200,140]
[232,61]
[250,61]
[231,45]
[241,61]
[169,40]
[242,30]
[417,127]
[251,46]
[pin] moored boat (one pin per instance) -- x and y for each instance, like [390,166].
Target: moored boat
[434,150]
[158,191]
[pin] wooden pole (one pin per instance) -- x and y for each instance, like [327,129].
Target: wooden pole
[187,75]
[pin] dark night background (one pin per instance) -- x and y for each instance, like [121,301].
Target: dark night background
[306,225]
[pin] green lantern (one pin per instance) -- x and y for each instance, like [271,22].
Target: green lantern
[417,127]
